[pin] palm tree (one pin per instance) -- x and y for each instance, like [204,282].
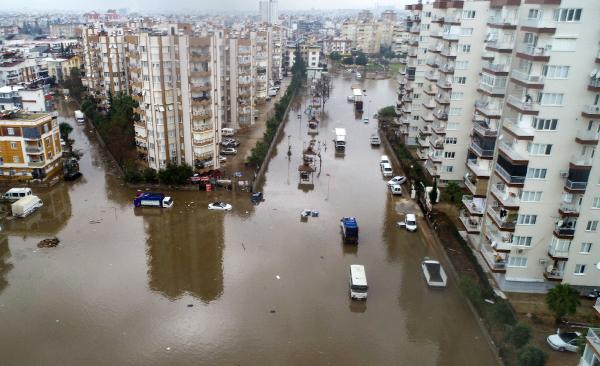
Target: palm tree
[562,300]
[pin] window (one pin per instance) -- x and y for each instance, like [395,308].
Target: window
[551,98]
[531,196]
[415,96]
[461,65]
[536,173]
[533,14]
[579,269]
[460,80]
[586,248]
[416,117]
[542,124]
[564,44]
[451,140]
[457,95]
[465,32]
[596,202]
[448,168]
[455,111]
[539,149]
[555,71]
[522,241]
[10,131]
[592,225]
[449,154]
[468,14]
[520,262]
[526,219]
[567,15]
[13,145]
[464,48]
[15,159]
[452,126]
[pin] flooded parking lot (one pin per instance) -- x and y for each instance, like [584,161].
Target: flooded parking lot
[255,286]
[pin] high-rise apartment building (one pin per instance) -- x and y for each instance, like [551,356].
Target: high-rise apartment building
[521,109]
[268,11]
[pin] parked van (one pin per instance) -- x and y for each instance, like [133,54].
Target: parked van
[26,205]
[384,160]
[227,132]
[14,194]
[386,169]
[358,282]
[375,141]
[396,189]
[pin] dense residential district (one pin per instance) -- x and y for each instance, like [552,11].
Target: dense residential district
[413,184]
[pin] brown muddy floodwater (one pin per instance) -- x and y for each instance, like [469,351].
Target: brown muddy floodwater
[255,286]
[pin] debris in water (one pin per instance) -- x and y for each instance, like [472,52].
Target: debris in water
[97,221]
[272,311]
[168,348]
[48,243]
[278,277]
[190,305]
[489,301]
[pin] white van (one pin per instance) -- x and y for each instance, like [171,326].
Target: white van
[226,132]
[386,169]
[375,141]
[384,160]
[396,189]
[14,194]
[358,282]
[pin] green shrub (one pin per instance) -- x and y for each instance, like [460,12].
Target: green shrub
[470,289]
[531,356]
[149,175]
[519,334]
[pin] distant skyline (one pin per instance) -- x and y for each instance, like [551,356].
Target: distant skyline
[199,6]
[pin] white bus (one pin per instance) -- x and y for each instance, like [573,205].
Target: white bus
[358,282]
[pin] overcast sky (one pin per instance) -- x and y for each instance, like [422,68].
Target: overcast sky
[199,5]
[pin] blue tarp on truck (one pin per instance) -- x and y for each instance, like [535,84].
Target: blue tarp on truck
[152,199]
[349,230]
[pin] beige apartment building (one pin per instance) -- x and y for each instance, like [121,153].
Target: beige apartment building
[29,146]
[175,77]
[533,211]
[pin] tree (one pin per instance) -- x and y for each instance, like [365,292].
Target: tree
[453,192]
[65,130]
[361,59]
[433,194]
[72,82]
[531,356]
[519,334]
[562,300]
[335,56]
[348,60]
[388,112]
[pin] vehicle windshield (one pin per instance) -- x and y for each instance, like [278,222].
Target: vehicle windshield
[410,222]
[567,337]
[357,288]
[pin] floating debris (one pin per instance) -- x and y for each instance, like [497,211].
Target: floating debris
[48,243]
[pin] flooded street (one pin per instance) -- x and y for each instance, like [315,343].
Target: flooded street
[255,286]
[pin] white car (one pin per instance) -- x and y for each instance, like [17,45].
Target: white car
[396,189]
[399,179]
[410,222]
[386,170]
[220,206]
[228,151]
[366,119]
[563,341]
[222,159]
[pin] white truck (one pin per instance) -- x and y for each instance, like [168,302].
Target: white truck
[340,139]
[26,206]
[79,117]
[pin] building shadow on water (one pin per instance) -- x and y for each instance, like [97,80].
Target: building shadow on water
[5,265]
[184,252]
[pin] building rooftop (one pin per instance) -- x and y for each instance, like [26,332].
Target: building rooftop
[20,116]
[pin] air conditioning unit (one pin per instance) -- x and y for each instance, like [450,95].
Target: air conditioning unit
[543,261]
[564,173]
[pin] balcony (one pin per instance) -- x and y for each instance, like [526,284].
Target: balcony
[500,240]
[34,150]
[472,206]
[508,178]
[587,137]
[591,111]
[554,274]
[484,129]
[482,152]
[429,104]
[471,223]
[444,84]
[500,47]
[594,84]
[524,104]
[556,253]
[439,129]
[440,114]
[593,334]
[435,157]
[434,48]
[37,163]
[423,142]
[527,80]
[518,129]
[450,36]
[432,76]
[576,186]
[427,117]
[503,222]
[597,307]
[566,229]
[478,187]
[442,99]
[505,197]
[448,52]
[422,155]
[495,261]
[488,108]
[430,89]
[568,209]
[581,161]
[478,169]
[495,68]
[538,25]
[432,63]
[502,22]
[494,90]
[511,151]
[446,68]
[533,53]
[431,169]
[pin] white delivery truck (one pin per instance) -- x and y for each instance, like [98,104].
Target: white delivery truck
[14,194]
[358,282]
[26,206]
[340,139]
[79,117]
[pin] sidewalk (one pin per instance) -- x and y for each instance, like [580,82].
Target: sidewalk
[250,135]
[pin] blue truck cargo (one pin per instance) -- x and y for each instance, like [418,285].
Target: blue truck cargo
[349,230]
[150,199]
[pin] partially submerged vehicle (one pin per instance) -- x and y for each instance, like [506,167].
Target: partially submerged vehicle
[434,273]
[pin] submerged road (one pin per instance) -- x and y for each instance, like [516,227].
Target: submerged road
[256,286]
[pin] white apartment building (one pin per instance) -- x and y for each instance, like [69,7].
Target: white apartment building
[240,91]
[268,11]
[591,352]
[175,77]
[531,168]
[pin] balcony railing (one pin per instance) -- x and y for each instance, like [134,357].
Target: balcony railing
[564,230]
[591,109]
[480,171]
[568,208]
[488,108]
[587,135]
[538,23]
[471,223]
[514,179]
[492,89]
[484,129]
[496,67]
[581,160]
[502,21]
[512,125]
[526,77]
[556,253]
[467,200]
[494,260]
[593,336]
[503,196]
[573,185]
[502,222]
[597,305]
[554,274]
[510,151]
[483,152]
[500,45]
[594,83]
[535,51]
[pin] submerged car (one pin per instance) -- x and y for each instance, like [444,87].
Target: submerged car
[410,222]
[563,341]
[229,151]
[399,179]
[220,206]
